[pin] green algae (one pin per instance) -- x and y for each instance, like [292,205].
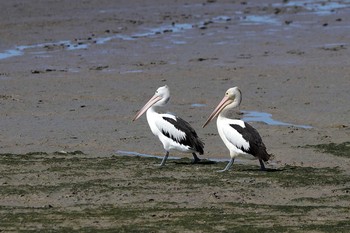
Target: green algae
[341,149]
[132,194]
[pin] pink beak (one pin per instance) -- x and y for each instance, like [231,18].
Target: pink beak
[223,103]
[149,104]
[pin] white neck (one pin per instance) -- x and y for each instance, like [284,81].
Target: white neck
[229,107]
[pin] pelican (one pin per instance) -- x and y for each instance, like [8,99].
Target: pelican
[239,137]
[174,132]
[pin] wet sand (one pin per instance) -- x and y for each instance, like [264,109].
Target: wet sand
[82,71]
[73,74]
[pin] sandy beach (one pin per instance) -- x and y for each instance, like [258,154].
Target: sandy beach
[73,75]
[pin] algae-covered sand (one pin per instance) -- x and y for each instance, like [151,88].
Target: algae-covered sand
[71,193]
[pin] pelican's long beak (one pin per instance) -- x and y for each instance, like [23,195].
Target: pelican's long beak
[223,103]
[149,104]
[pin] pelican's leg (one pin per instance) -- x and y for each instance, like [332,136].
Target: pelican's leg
[196,159]
[164,159]
[262,165]
[228,166]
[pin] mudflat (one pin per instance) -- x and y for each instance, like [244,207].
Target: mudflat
[74,73]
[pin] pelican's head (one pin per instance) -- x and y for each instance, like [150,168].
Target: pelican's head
[160,98]
[232,99]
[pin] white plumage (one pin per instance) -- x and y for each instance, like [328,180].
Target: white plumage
[158,125]
[172,131]
[239,137]
[233,140]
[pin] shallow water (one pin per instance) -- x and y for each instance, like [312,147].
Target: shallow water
[254,116]
[320,7]
[259,19]
[198,105]
[69,45]
[317,7]
[131,71]
[38,48]
[10,53]
[146,32]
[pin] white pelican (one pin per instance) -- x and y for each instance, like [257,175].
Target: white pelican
[239,137]
[172,131]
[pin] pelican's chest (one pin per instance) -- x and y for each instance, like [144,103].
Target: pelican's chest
[152,117]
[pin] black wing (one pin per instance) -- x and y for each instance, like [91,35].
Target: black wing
[256,146]
[192,140]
